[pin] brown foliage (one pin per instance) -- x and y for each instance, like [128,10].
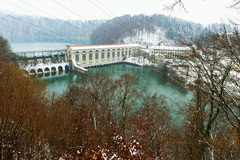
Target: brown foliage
[92,115]
[22,114]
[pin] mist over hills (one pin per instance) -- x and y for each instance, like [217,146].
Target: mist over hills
[155,29]
[145,29]
[16,28]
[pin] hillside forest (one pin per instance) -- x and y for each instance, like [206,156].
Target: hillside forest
[125,29]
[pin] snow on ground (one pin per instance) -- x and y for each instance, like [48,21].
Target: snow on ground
[140,61]
[145,38]
[188,72]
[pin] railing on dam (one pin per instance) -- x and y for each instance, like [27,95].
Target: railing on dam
[41,53]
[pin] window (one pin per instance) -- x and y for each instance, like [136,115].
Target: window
[122,53]
[96,50]
[108,54]
[77,58]
[84,57]
[102,55]
[90,56]
[118,54]
[84,51]
[77,52]
[113,54]
[96,55]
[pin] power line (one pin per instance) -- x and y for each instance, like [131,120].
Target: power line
[88,13]
[69,24]
[52,9]
[36,8]
[82,9]
[20,7]
[82,17]
[46,29]
[119,20]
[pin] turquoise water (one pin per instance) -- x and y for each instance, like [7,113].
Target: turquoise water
[177,96]
[153,81]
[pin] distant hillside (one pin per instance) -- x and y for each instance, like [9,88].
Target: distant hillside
[156,29]
[144,29]
[39,29]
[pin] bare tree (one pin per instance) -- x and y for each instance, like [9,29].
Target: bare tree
[217,93]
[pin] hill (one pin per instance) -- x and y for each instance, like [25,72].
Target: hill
[144,29]
[17,28]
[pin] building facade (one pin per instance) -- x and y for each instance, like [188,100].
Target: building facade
[90,55]
[170,52]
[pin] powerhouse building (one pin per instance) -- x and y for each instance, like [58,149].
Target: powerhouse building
[170,52]
[90,55]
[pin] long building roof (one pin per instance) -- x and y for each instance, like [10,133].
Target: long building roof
[103,46]
[170,48]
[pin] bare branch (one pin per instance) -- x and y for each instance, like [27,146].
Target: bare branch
[174,4]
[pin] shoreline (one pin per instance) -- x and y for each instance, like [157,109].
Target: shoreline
[171,78]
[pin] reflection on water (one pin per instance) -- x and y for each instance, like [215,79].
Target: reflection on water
[153,81]
[49,74]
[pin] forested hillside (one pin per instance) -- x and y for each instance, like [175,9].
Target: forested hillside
[142,28]
[126,29]
[39,29]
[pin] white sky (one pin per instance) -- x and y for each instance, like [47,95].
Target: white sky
[201,11]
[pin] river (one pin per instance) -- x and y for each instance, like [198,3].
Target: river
[176,96]
[153,81]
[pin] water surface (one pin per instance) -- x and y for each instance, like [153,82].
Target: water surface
[153,81]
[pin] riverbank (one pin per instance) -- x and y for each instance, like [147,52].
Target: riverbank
[163,69]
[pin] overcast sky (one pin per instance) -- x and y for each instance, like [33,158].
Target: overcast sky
[201,11]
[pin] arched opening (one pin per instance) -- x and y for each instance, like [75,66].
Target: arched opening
[32,72]
[47,74]
[67,69]
[40,75]
[54,71]
[40,71]
[46,70]
[60,69]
